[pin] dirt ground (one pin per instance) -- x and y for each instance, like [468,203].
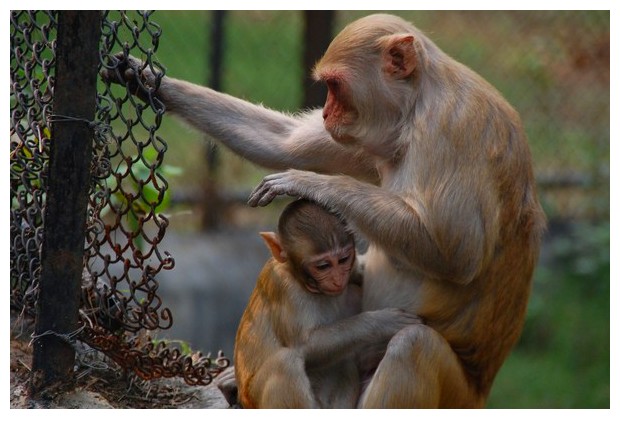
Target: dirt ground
[100,385]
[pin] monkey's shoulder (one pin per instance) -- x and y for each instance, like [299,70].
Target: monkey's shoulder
[279,293]
[275,282]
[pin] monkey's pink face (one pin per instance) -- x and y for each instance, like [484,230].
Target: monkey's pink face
[329,272]
[338,112]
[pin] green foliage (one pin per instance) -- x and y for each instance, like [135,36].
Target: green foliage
[563,358]
[143,189]
[275,80]
[183,346]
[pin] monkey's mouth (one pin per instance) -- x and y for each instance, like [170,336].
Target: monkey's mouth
[334,290]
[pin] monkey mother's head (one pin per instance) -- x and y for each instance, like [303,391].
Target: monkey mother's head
[369,70]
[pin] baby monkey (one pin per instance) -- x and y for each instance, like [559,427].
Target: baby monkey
[301,336]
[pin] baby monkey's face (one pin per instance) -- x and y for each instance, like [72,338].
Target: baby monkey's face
[328,273]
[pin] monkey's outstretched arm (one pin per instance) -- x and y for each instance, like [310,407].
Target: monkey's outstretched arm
[266,137]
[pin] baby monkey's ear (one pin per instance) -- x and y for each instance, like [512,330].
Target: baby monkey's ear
[275,247]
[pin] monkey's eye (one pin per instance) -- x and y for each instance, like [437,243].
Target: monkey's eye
[333,85]
[344,259]
[322,266]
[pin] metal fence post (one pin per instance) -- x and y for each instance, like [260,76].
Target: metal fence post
[318,28]
[213,202]
[62,255]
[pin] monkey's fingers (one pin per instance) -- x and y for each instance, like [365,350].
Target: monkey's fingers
[269,188]
[262,199]
[115,68]
[122,69]
[262,195]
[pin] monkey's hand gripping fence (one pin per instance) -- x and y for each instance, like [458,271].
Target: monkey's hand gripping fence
[127,190]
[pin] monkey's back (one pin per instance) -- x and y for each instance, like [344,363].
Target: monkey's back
[256,339]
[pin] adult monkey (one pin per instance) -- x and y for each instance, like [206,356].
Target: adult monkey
[445,195]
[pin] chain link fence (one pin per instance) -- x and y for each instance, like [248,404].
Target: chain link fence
[120,304]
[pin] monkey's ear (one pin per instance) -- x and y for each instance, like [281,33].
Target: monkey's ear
[273,244]
[399,56]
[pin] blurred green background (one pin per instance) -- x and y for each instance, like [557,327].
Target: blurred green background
[553,67]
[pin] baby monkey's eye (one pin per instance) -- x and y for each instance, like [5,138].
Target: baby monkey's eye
[344,259]
[322,267]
